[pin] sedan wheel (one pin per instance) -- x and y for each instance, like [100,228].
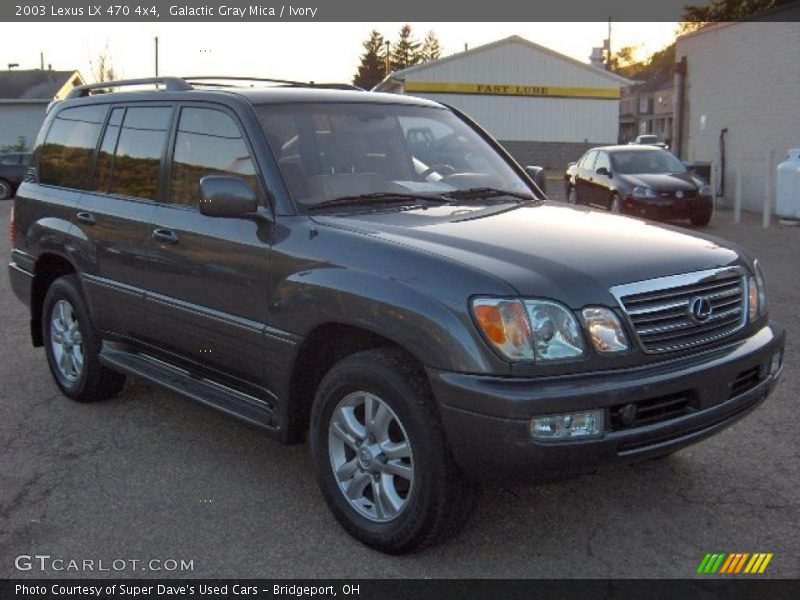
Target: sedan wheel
[5,190]
[616,204]
[572,196]
[371,457]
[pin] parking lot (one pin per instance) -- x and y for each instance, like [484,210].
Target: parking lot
[150,475]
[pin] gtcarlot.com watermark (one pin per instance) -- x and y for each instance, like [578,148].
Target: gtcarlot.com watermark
[47,563]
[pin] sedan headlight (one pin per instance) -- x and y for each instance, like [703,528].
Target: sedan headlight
[705,190]
[605,330]
[757,293]
[529,329]
[643,192]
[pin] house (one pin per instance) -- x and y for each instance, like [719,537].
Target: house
[737,101]
[647,107]
[24,96]
[544,107]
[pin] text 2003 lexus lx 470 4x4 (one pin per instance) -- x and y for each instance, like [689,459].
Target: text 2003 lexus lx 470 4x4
[375,272]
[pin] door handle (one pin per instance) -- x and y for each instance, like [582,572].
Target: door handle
[86,218]
[165,236]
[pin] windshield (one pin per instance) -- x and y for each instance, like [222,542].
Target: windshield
[648,161]
[332,151]
[648,139]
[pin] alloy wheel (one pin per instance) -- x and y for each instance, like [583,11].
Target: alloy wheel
[66,341]
[371,456]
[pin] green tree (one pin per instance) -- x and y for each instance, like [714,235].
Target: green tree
[695,17]
[405,52]
[372,67]
[431,48]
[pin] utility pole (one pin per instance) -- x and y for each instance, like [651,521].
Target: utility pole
[608,46]
[41,61]
[388,44]
[156,56]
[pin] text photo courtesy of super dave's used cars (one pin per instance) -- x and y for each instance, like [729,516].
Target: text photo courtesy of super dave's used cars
[409,305]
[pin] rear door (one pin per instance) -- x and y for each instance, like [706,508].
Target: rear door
[207,276]
[114,216]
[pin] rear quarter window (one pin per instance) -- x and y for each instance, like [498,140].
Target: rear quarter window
[65,158]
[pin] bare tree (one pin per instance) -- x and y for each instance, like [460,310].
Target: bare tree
[102,66]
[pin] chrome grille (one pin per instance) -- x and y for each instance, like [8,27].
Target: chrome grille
[660,310]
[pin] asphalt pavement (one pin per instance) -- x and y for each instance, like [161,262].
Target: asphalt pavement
[153,476]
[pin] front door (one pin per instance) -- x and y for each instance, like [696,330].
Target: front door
[207,277]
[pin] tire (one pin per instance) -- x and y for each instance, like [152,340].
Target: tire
[701,219]
[572,196]
[73,346]
[6,191]
[432,500]
[616,204]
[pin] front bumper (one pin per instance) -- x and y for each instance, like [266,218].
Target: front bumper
[665,209]
[487,419]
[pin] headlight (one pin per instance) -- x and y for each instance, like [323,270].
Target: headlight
[605,330]
[644,192]
[705,190]
[757,293]
[529,329]
[556,333]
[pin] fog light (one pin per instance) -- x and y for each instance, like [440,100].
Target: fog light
[775,363]
[569,426]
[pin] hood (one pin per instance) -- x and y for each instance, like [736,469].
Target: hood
[570,254]
[663,182]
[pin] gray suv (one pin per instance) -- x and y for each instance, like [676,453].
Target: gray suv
[373,273]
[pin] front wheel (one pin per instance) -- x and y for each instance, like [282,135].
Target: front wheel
[572,196]
[73,347]
[616,204]
[380,456]
[701,219]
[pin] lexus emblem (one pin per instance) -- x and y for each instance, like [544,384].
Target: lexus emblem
[700,309]
[679,194]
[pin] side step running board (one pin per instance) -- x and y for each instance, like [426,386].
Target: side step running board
[242,406]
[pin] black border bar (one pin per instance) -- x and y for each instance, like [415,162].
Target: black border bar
[741,588]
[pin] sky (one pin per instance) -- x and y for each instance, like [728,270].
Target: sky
[301,51]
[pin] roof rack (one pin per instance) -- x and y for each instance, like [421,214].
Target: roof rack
[172,84]
[184,84]
[208,79]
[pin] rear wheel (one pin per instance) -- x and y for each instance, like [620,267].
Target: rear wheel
[6,190]
[73,347]
[380,456]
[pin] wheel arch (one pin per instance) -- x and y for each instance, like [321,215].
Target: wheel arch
[49,267]
[323,347]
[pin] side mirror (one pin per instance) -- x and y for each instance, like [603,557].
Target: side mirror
[603,171]
[539,177]
[226,196]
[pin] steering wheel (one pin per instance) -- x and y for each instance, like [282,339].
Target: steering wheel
[441,168]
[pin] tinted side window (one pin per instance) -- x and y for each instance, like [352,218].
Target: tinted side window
[66,156]
[208,142]
[129,161]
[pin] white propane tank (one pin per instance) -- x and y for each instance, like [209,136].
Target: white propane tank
[787,187]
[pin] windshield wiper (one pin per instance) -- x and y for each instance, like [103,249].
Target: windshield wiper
[481,193]
[378,198]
